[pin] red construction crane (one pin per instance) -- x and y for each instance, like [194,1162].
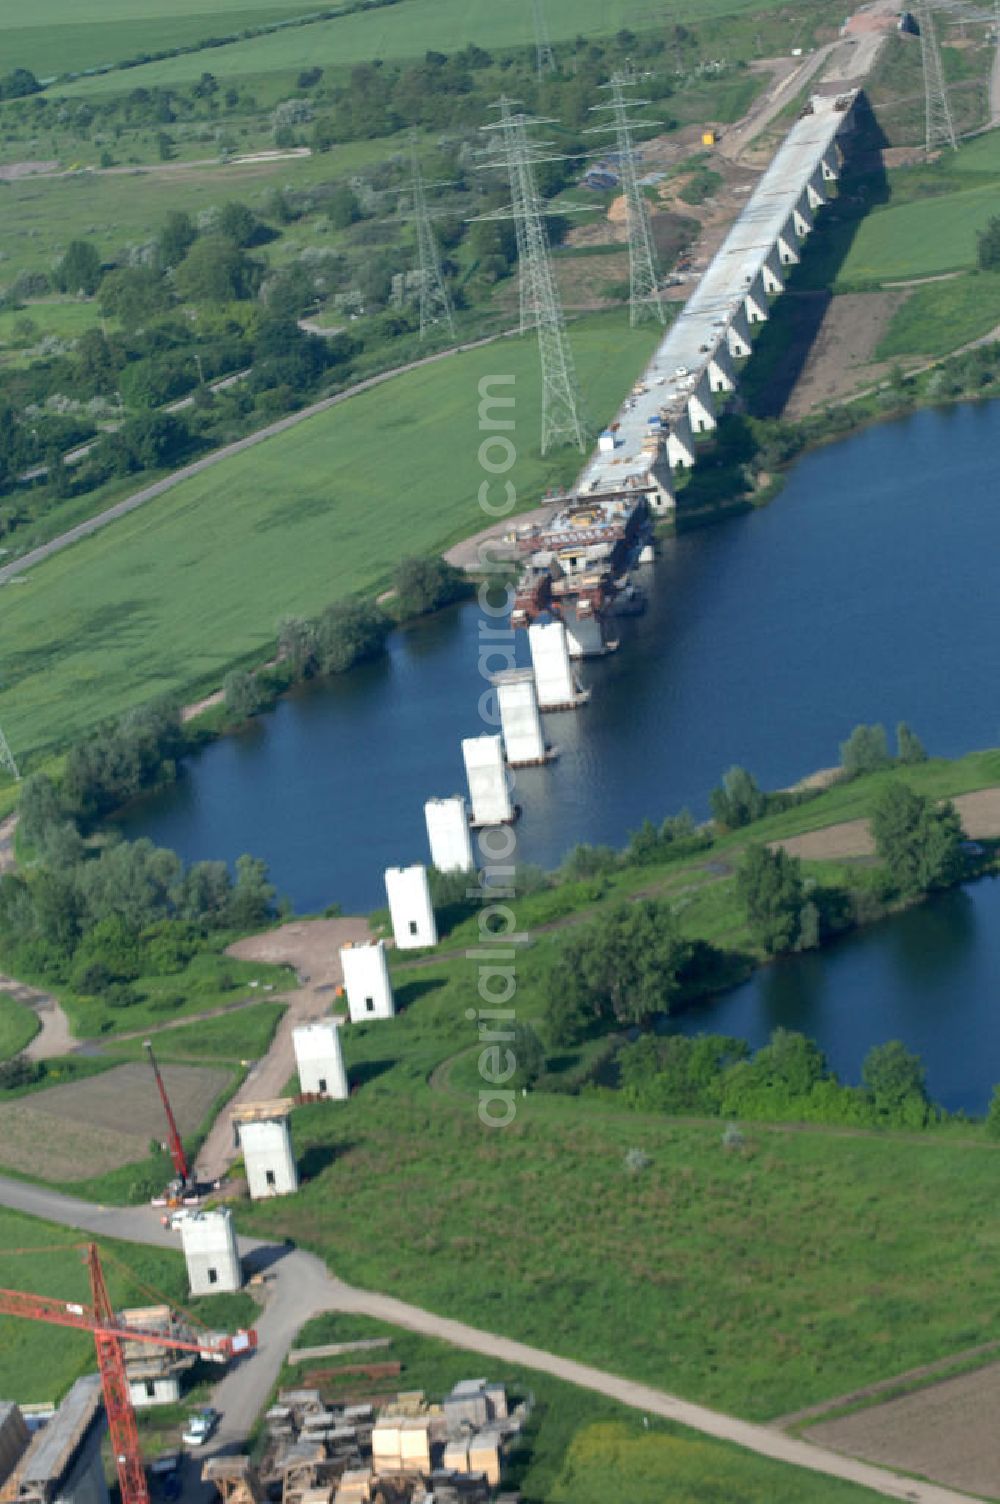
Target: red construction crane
[109,1335]
[177,1155]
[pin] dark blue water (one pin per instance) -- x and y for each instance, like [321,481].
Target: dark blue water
[866,591]
[930,977]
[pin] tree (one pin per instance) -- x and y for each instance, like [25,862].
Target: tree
[252,895]
[909,747]
[176,237]
[896,1084]
[134,294]
[206,86]
[297,645]
[165,146]
[865,751]
[18,84]
[97,363]
[988,245]
[739,801]
[529,1055]
[423,585]
[215,271]
[342,207]
[770,885]
[237,223]
[919,841]
[624,967]
[993,1115]
[79,271]
[347,633]
[242,695]
[40,808]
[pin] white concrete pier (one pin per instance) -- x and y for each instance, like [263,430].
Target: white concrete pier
[410,907]
[486,771]
[366,978]
[448,834]
[519,719]
[320,1059]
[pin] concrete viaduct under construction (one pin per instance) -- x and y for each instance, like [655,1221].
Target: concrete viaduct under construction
[675,398]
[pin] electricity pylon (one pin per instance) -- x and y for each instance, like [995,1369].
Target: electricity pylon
[939,128]
[540,305]
[7,762]
[435,304]
[644,295]
[544,58]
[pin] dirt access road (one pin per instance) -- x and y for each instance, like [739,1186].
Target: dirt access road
[313,948]
[301,1287]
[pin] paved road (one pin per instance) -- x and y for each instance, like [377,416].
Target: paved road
[301,1287]
[148,493]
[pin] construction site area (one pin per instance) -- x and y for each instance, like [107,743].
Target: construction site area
[405,1450]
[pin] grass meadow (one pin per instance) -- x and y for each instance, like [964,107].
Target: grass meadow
[164,600]
[18,1026]
[941,316]
[580,1448]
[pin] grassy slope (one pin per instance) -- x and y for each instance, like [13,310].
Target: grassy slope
[166,598]
[408,30]
[18,1026]
[208,981]
[580,1447]
[941,316]
[811,1262]
[39,1362]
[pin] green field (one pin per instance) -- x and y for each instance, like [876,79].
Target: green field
[921,237]
[164,600]
[408,30]
[52,38]
[18,1026]
[38,1362]
[941,316]
[66,320]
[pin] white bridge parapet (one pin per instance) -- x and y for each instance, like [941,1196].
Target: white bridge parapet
[673,400]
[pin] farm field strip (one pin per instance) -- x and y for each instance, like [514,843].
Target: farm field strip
[409,29]
[166,598]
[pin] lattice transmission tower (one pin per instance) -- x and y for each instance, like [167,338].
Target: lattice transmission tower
[644,294]
[435,304]
[939,128]
[541,308]
[7,762]
[544,57]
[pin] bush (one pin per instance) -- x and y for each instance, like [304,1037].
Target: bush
[20,1071]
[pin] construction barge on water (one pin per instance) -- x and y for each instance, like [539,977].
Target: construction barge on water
[576,568]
